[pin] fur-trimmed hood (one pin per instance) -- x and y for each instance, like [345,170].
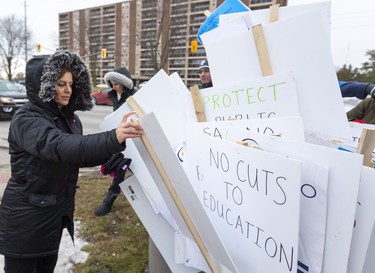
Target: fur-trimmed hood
[42,73]
[120,75]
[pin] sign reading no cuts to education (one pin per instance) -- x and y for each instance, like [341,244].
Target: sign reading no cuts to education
[252,198]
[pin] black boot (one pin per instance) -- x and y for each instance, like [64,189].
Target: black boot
[105,208]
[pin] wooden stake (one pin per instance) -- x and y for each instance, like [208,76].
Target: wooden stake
[262,50]
[243,143]
[366,146]
[198,106]
[274,13]
[133,104]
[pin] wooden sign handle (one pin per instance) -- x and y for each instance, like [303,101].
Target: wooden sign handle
[197,101]
[274,13]
[135,106]
[261,46]
[167,182]
[366,146]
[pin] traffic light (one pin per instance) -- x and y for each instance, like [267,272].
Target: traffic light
[194,46]
[104,53]
[37,47]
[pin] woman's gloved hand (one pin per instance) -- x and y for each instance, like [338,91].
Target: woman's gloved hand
[116,166]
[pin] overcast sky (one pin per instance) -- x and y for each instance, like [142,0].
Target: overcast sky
[352,24]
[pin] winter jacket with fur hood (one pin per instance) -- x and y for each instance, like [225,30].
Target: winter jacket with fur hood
[120,75]
[47,148]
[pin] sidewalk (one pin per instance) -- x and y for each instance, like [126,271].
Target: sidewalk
[4,165]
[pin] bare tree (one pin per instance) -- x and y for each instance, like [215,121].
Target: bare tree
[19,76]
[156,41]
[12,41]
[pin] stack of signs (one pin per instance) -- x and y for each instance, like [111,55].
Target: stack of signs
[275,203]
[299,42]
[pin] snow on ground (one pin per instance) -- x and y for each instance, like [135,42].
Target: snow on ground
[69,254]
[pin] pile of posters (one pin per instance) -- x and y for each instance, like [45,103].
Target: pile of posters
[256,188]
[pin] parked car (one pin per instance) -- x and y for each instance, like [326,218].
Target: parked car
[11,98]
[20,86]
[100,96]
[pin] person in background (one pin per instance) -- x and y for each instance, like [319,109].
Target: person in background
[204,75]
[357,89]
[122,87]
[47,147]
[363,112]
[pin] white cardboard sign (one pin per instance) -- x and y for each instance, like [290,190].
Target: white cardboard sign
[252,199]
[162,234]
[261,16]
[313,191]
[265,97]
[286,127]
[300,44]
[356,130]
[185,192]
[364,221]
[166,96]
[344,175]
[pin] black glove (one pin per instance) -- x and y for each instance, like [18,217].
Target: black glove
[370,90]
[116,166]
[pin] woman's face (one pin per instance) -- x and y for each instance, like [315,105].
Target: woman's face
[118,87]
[64,89]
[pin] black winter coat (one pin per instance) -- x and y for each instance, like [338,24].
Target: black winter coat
[47,148]
[112,95]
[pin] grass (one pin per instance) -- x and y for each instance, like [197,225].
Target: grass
[118,242]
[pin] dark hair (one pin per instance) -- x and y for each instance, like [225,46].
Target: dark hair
[65,70]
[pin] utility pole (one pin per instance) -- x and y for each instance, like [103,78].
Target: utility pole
[25,35]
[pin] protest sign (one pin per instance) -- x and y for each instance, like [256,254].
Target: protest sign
[364,221]
[228,6]
[313,198]
[138,168]
[159,230]
[179,195]
[166,96]
[300,44]
[264,97]
[261,16]
[356,130]
[342,188]
[252,198]
[287,127]
[369,264]
[162,95]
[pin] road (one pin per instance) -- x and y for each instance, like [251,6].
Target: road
[90,120]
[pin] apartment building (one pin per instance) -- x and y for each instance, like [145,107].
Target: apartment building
[142,35]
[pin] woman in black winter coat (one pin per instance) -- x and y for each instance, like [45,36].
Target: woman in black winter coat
[47,148]
[122,86]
